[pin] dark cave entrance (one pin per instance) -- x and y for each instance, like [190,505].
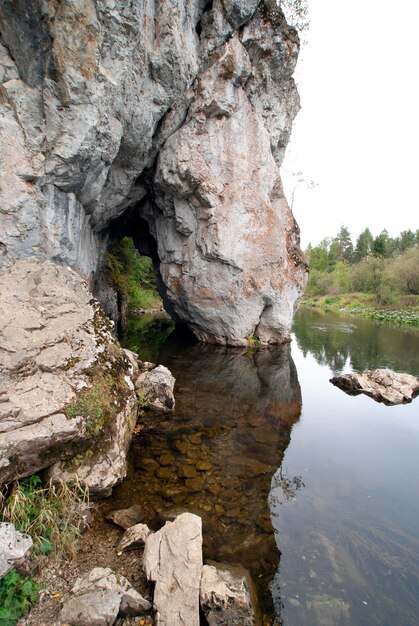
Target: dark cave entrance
[130,286]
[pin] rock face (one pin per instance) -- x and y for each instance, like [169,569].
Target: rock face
[381,385]
[164,121]
[173,560]
[65,384]
[14,546]
[99,597]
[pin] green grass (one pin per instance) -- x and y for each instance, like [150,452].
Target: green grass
[404,310]
[51,515]
[17,594]
[133,276]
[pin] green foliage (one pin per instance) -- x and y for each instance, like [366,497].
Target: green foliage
[95,405]
[253,341]
[387,267]
[51,515]
[146,334]
[133,275]
[17,594]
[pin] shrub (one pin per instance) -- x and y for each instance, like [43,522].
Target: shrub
[51,515]
[17,594]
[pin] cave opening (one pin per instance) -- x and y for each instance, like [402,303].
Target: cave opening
[130,286]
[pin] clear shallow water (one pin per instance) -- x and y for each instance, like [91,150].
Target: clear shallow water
[350,539]
[274,458]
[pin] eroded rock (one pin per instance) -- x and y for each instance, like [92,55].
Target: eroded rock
[155,389]
[14,547]
[66,388]
[382,385]
[173,560]
[98,597]
[173,117]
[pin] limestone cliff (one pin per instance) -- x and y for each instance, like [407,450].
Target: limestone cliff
[166,120]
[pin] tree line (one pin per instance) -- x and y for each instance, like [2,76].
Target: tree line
[383,265]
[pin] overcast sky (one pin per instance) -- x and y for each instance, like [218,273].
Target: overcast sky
[357,134]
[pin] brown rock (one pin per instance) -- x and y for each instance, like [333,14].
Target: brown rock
[126,517]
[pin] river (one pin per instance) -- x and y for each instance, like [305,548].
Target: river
[278,461]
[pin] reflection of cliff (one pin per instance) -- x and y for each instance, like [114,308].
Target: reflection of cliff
[217,455]
[333,338]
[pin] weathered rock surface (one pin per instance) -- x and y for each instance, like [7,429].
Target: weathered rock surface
[14,547]
[382,385]
[155,388]
[173,560]
[225,596]
[126,518]
[134,537]
[165,121]
[65,385]
[99,597]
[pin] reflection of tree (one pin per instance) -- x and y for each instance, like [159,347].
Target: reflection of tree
[289,487]
[333,339]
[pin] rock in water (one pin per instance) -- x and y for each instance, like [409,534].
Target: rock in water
[382,385]
[155,389]
[225,596]
[14,547]
[65,385]
[166,122]
[173,560]
[98,597]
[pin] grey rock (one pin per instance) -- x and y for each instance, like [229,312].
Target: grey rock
[127,517]
[14,547]
[53,335]
[98,597]
[134,537]
[173,117]
[155,387]
[382,385]
[225,596]
[173,560]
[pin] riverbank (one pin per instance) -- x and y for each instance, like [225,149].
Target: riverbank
[403,311]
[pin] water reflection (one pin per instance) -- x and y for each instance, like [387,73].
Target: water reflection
[350,540]
[349,342]
[217,454]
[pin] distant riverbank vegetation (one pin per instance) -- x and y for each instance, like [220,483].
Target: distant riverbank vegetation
[377,277]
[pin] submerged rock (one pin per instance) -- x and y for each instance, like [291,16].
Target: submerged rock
[173,560]
[225,596]
[14,547]
[167,122]
[382,385]
[66,390]
[155,389]
[98,597]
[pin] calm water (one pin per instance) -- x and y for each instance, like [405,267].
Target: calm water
[276,459]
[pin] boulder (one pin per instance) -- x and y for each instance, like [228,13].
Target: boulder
[134,537]
[126,517]
[98,597]
[225,596]
[382,385]
[155,389]
[173,560]
[14,547]
[66,386]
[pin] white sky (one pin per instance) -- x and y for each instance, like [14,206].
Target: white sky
[357,134]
